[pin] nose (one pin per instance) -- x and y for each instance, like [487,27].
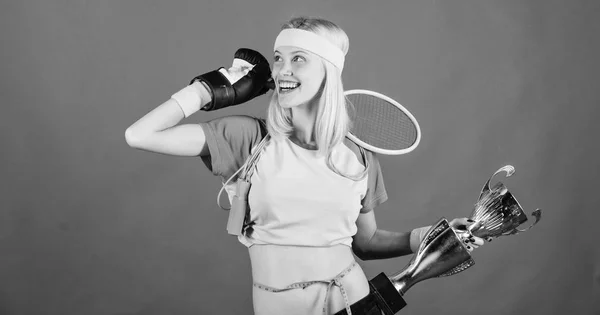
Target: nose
[285,69]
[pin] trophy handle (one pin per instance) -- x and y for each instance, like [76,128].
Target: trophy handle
[432,233]
[537,214]
[509,169]
[460,268]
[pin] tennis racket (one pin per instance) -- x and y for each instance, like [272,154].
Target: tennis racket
[382,125]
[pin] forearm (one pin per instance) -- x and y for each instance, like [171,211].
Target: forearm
[168,114]
[385,244]
[159,132]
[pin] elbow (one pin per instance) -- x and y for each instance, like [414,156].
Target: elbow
[363,256]
[133,138]
[361,253]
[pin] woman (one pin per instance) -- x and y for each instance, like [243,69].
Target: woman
[313,191]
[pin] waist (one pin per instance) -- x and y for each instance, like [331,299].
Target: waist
[278,266]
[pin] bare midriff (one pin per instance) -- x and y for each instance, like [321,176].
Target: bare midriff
[279,266]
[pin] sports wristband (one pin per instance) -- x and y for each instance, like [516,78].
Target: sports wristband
[190,98]
[416,236]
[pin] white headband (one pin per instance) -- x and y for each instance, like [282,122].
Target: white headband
[311,42]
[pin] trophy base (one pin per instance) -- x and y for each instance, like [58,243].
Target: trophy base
[365,306]
[390,300]
[383,299]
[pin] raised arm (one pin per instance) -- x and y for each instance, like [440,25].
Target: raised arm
[158,131]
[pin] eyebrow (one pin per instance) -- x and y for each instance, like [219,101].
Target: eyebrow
[294,52]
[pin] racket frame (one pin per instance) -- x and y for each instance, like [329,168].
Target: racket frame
[400,107]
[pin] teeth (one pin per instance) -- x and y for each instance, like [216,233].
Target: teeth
[288,85]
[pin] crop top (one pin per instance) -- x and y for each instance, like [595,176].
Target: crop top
[294,198]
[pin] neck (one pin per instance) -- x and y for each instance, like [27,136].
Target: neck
[303,120]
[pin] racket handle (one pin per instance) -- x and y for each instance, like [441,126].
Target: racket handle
[239,209]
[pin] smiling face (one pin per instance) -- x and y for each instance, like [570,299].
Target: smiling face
[298,76]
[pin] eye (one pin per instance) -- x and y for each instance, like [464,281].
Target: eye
[277,58]
[298,59]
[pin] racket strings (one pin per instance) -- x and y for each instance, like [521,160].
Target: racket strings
[381,124]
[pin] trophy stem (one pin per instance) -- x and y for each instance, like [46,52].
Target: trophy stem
[402,281]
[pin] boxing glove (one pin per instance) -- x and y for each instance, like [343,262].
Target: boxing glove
[226,90]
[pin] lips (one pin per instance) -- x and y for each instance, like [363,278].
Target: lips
[287,86]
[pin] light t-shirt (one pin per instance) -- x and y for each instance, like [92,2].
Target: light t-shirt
[295,198]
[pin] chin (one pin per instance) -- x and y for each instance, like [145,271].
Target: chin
[288,103]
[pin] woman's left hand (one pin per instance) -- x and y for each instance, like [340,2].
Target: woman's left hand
[463,228]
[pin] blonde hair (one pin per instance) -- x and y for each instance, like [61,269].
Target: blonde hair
[333,120]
